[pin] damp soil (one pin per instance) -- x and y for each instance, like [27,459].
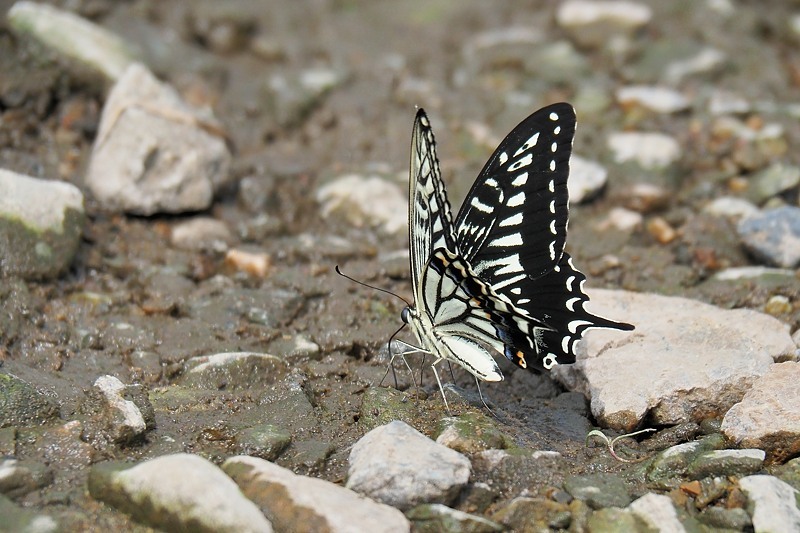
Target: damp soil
[60,335]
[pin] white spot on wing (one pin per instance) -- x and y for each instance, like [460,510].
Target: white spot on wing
[509,281]
[575,324]
[520,180]
[552,165]
[553,206]
[513,220]
[570,281]
[519,163]
[503,158]
[480,206]
[557,130]
[514,239]
[553,116]
[554,146]
[551,186]
[530,143]
[519,199]
[571,303]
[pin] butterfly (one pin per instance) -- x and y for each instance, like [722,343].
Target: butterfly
[497,280]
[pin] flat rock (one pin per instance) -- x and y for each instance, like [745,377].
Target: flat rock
[772,503]
[233,370]
[438,518]
[365,202]
[295,503]
[717,463]
[41,223]
[598,490]
[73,37]
[398,465]
[593,24]
[773,236]
[658,99]
[686,360]
[658,512]
[767,417]
[153,152]
[649,149]
[180,492]
[202,234]
[22,405]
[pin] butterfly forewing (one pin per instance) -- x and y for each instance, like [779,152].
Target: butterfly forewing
[513,224]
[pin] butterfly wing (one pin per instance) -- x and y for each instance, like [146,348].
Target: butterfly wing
[512,229]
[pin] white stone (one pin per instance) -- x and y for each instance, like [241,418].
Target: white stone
[153,152]
[772,503]
[365,202]
[621,219]
[706,60]
[189,490]
[658,512]
[127,420]
[654,98]
[685,360]
[768,417]
[751,272]
[650,150]
[285,496]
[586,179]
[726,103]
[593,23]
[202,233]
[72,36]
[730,206]
[398,465]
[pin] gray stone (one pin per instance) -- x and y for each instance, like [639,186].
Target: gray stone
[290,99]
[435,517]
[17,519]
[202,234]
[533,514]
[666,468]
[767,417]
[726,463]
[118,419]
[23,405]
[773,236]
[586,179]
[726,350]
[398,465]
[653,98]
[153,152]
[265,441]
[658,512]
[41,223]
[233,371]
[730,206]
[598,490]
[649,150]
[517,470]
[735,519]
[594,24]
[772,181]
[472,432]
[72,37]
[18,479]
[365,202]
[295,503]
[772,504]
[704,61]
[180,492]
[614,520]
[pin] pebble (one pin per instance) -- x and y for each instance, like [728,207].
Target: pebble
[513,471]
[653,98]
[666,468]
[586,179]
[153,152]
[39,238]
[658,513]
[398,465]
[661,230]
[291,98]
[598,490]
[471,433]
[754,272]
[179,492]
[735,519]
[265,441]
[778,305]
[772,503]
[256,264]
[705,61]
[722,102]
[365,202]
[120,419]
[619,381]
[22,404]
[772,181]
[726,463]
[621,219]
[533,514]
[435,518]
[233,371]
[20,478]
[301,503]
[731,207]
[501,46]
[649,150]
[202,234]
[20,519]
[593,24]
[73,37]
[767,417]
[773,236]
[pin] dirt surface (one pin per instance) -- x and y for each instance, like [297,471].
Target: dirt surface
[134,306]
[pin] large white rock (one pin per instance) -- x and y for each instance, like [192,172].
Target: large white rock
[153,152]
[365,202]
[658,512]
[398,465]
[772,503]
[649,150]
[768,416]
[288,499]
[685,361]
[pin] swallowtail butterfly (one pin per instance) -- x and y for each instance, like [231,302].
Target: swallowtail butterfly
[498,279]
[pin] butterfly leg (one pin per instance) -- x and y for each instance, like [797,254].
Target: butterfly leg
[478,383]
[409,350]
[441,389]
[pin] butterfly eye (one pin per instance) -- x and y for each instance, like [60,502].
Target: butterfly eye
[404,315]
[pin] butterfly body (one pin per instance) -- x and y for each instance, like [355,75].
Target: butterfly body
[498,280]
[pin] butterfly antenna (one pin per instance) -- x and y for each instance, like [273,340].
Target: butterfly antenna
[338,271]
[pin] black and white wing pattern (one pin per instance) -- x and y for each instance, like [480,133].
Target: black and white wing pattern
[498,278]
